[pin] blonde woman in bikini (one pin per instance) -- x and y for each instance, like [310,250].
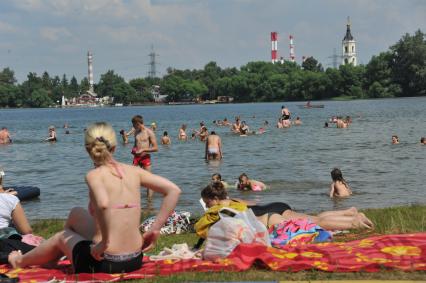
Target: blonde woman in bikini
[106,237]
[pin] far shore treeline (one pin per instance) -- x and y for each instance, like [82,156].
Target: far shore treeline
[398,72]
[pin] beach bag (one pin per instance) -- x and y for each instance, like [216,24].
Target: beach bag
[177,223]
[233,228]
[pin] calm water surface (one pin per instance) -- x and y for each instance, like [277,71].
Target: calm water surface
[295,162]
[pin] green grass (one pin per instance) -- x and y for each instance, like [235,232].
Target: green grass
[405,219]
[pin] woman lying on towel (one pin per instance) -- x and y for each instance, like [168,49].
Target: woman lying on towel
[215,196]
[106,238]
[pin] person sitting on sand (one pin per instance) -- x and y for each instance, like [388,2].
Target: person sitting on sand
[182,133]
[106,237]
[246,184]
[5,136]
[213,147]
[52,135]
[165,139]
[339,187]
[395,139]
[11,210]
[215,196]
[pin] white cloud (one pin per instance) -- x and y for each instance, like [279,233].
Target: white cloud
[7,28]
[54,33]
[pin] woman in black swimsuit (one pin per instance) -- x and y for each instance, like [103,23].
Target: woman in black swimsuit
[277,212]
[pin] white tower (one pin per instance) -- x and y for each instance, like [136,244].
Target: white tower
[90,65]
[348,47]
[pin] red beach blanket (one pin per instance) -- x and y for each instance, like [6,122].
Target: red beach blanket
[405,252]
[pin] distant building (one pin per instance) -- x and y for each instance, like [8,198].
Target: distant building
[158,97]
[348,47]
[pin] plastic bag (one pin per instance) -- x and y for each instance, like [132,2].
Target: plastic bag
[232,229]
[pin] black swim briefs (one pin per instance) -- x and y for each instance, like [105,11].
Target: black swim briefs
[83,261]
[273,207]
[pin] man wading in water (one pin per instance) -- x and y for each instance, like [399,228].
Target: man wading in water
[145,142]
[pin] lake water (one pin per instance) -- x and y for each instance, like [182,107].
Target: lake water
[295,162]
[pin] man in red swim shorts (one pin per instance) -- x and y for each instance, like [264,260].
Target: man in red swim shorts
[145,143]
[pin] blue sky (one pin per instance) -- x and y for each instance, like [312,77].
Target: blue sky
[54,36]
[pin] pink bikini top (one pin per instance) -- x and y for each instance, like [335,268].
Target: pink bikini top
[120,174]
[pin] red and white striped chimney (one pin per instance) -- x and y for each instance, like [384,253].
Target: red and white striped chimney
[292,56]
[274,45]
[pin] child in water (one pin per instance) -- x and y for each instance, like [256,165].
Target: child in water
[246,184]
[339,187]
[216,177]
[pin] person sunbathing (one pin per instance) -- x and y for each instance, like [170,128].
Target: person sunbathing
[106,237]
[215,196]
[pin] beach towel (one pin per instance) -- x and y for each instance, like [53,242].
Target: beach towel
[406,252]
[297,230]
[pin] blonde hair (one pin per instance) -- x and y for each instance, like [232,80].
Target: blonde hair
[99,140]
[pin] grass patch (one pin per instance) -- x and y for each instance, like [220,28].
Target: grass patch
[393,220]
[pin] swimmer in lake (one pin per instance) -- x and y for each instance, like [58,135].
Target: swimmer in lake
[246,184]
[213,147]
[5,136]
[339,187]
[298,122]
[52,135]
[165,139]
[182,133]
[395,139]
[423,140]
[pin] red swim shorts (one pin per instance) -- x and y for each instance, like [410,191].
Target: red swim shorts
[142,161]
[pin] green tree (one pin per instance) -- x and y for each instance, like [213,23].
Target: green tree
[7,76]
[74,88]
[312,64]
[9,95]
[39,98]
[408,63]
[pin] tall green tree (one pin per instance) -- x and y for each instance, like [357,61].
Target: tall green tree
[408,63]
[7,76]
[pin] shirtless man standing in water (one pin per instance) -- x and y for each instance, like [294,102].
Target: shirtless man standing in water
[5,136]
[145,142]
[213,147]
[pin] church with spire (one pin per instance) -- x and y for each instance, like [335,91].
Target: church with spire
[348,47]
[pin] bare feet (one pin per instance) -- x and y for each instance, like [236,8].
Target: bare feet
[367,221]
[15,259]
[362,222]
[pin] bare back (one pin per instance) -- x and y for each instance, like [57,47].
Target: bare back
[213,141]
[120,197]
